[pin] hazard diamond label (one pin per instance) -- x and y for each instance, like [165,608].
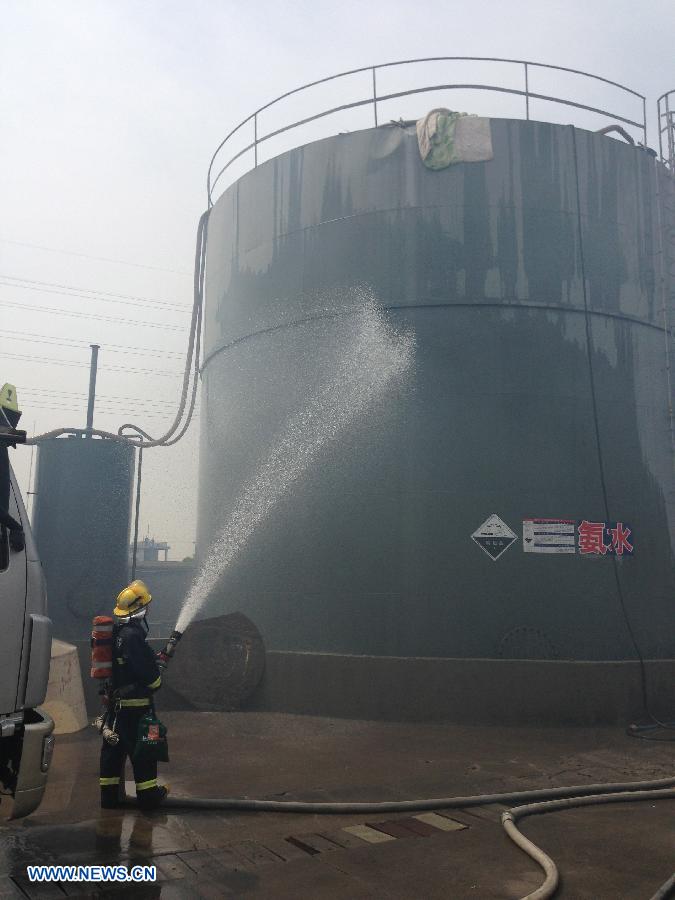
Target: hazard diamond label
[494,537]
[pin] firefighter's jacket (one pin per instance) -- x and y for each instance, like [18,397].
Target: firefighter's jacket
[135,674]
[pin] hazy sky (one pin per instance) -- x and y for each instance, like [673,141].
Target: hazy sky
[109,113]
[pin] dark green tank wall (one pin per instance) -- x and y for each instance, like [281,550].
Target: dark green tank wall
[539,390]
[81,524]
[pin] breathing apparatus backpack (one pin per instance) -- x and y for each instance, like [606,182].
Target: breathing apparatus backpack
[101,668]
[101,647]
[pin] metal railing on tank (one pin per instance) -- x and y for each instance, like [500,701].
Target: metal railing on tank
[374,98]
[665,108]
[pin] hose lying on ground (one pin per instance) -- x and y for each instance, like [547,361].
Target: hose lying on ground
[548,800]
[666,890]
[511,816]
[297,806]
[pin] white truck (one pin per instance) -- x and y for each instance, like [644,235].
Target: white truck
[26,740]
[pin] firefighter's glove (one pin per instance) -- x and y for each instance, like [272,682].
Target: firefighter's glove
[161,659]
[17,539]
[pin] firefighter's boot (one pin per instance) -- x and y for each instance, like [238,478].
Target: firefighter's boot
[112,793]
[153,797]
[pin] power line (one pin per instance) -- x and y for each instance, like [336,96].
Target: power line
[108,400]
[114,398]
[103,409]
[121,262]
[110,413]
[111,404]
[69,362]
[159,305]
[71,287]
[48,287]
[52,310]
[33,338]
[182,419]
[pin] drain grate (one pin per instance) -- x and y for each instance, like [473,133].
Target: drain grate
[241,859]
[422,825]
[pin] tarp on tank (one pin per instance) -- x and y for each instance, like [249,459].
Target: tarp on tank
[447,137]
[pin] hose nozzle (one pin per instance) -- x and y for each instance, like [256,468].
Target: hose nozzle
[171,645]
[165,655]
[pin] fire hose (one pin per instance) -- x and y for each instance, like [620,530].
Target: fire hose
[511,817]
[577,792]
[666,889]
[536,802]
[546,800]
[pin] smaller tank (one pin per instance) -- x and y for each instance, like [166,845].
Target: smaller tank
[82,519]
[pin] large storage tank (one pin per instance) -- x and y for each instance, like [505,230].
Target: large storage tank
[81,523]
[534,287]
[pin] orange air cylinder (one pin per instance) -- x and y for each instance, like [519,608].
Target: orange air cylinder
[101,647]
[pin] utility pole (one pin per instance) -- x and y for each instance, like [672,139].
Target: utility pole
[92,387]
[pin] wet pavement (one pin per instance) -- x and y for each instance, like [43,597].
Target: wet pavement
[625,850]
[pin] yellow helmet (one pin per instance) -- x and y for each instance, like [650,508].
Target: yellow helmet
[132,599]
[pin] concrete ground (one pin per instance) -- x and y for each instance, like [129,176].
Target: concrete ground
[624,850]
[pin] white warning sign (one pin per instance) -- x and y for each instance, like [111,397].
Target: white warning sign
[494,537]
[549,536]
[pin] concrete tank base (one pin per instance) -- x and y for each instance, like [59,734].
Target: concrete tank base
[468,691]
[65,701]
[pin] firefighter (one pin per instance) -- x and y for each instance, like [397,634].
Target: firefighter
[135,678]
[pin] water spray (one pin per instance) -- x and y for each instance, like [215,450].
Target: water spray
[374,355]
